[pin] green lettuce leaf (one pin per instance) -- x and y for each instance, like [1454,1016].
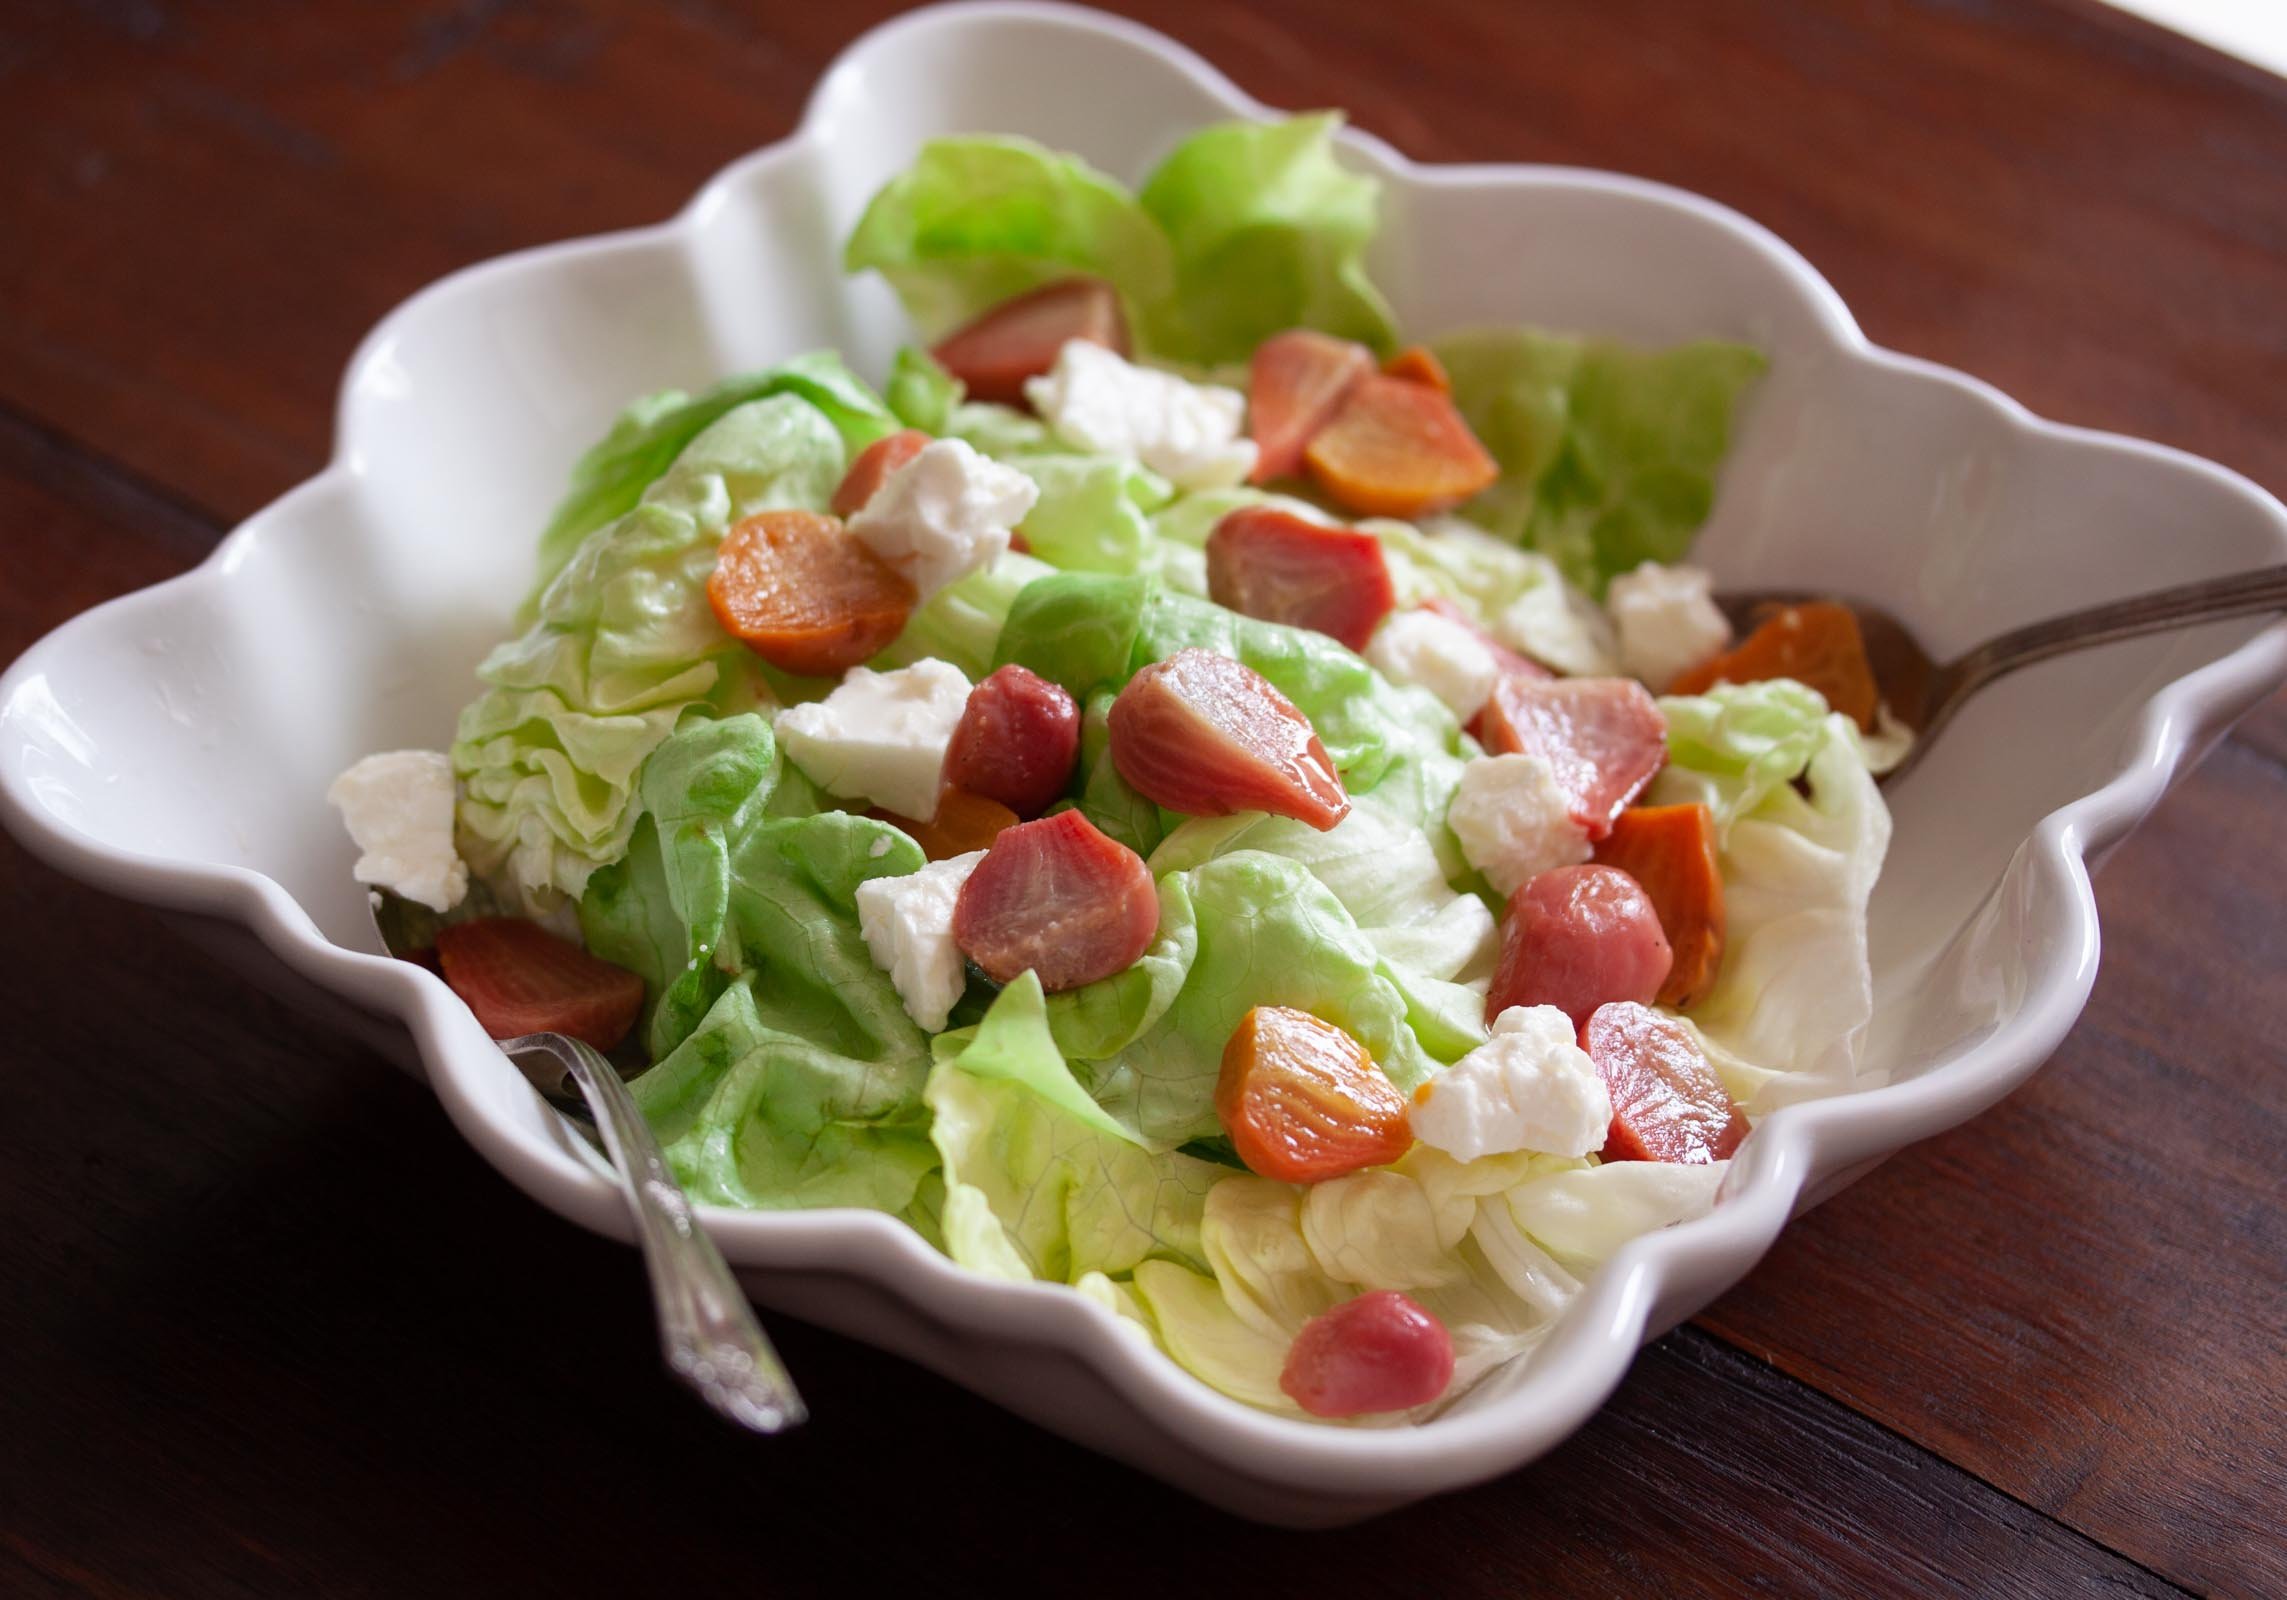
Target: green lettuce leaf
[921,393]
[1608,454]
[1436,945]
[1268,232]
[790,1073]
[1795,991]
[1280,1254]
[1732,747]
[647,437]
[978,220]
[1245,230]
[1039,1181]
[624,647]
[1237,931]
[1093,514]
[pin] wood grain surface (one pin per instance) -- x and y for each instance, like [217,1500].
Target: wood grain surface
[268,1328]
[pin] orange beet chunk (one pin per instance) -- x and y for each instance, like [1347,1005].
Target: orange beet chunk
[1379,1352]
[1017,741]
[1205,735]
[875,462]
[1577,938]
[1670,852]
[799,592]
[963,822]
[1303,1101]
[1416,363]
[1058,898]
[1018,339]
[1817,643]
[1604,738]
[1397,448]
[1667,1103]
[1294,385]
[1272,564]
[519,978]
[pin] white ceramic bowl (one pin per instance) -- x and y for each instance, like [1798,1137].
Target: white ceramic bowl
[174,746]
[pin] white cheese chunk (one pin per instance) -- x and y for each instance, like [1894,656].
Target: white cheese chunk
[1512,820]
[398,807]
[1443,656]
[880,736]
[908,927]
[944,514]
[1529,1087]
[1667,620]
[1189,433]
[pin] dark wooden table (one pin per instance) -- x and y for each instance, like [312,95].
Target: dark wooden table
[267,1328]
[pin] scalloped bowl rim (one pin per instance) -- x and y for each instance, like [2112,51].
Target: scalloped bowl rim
[1583,1358]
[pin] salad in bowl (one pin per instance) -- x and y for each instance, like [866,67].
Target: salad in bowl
[1175,791]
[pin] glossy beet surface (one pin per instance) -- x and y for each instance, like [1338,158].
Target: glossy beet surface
[1667,1103]
[1379,1352]
[1206,735]
[1604,738]
[1018,339]
[1057,898]
[1575,938]
[519,978]
[1017,741]
[1267,563]
[1303,1101]
[1295,383]
[798,591]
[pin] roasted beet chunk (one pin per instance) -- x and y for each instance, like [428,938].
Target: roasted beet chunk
[1575,938]
[1205,735]
[519,978]
[1667,1103]
[1379,1352]
[1604,738]
[1272,564]
[1057,898]
[1017,741]
[1304,1101]
[1018,339]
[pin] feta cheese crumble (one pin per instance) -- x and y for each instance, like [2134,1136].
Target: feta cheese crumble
[908,928]
[398,806]
[1188,433]
[880,736]
[1513,821]
[944,514]
[1441,655]
[1667,620]
[1529,1087]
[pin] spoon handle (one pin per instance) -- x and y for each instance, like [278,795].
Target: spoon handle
[2242,594]
[706,1328]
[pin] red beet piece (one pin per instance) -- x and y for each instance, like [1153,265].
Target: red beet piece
[1057,898]
[1295,384]
[1667,1103]
[1017,741]
[1272,564]
[1603,737]
[1379,1352]
[1575,938]
[1018,339]
[1206,735]
[519,978]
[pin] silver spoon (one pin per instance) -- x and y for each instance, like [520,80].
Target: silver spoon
[1924,693]
[707,1331]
